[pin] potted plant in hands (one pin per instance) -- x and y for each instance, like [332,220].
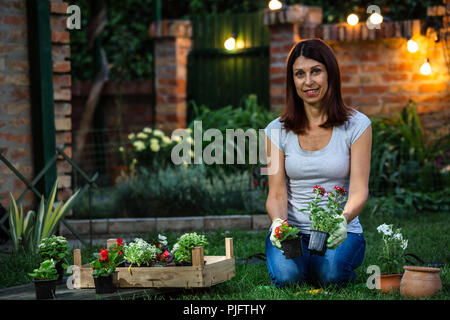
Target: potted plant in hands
[58,249]
[45,280]
[291,242]
[104,267]
[182,250]
[389,258]
[324,222]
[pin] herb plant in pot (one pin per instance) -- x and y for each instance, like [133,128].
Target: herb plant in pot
[390,257]
[104,267]
[291,242]
[324,222]
[182,250]
[58,249]
[45,280]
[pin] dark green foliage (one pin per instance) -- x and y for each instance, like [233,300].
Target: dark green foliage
[401,158]
[181,191]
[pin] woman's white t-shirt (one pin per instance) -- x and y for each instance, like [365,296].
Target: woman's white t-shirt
[327,167]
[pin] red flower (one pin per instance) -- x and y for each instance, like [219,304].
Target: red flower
[119,242]
[320,189]
[256,183]
[93,268]
[104,254]
[120,252]
[166,254]
[277,232]
[264,183]
[340,190]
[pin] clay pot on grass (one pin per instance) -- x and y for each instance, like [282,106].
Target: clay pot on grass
[389,283]
[420,282]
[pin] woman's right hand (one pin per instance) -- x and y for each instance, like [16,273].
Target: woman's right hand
[273,238]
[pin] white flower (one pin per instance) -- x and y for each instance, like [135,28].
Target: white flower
[397,236]
[189,139]
[404,244]
[189,130]
[158,133]
[385,229]
[162,239]
[166,141]
[142,135]
[121,149]
[155,146]
[131,136]
[175,247]
[139,145]
[176,138]
[147,130]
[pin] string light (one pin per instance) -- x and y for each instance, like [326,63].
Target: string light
[376,18]
[412,46]
[425,69]
[275,5]
[230,43]
[352,19]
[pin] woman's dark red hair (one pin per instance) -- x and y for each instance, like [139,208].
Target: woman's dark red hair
[293,115]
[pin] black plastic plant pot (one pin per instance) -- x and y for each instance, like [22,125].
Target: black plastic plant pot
[292,248]
[104,284]
[60,270]
[318,242]
[45,289]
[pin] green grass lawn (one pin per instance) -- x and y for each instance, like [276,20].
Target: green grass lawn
[428,235]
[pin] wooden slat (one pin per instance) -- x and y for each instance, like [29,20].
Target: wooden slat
[197,257]
[229,248]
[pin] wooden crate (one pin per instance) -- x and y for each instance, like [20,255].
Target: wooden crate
[217,269]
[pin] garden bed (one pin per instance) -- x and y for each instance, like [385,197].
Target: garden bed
[205,271]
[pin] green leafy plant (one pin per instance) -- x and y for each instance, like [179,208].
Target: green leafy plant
[392,252]
[286,232]
[326,220]
[54,247]
[140,253]
[182,250]
[27,232]
[46,271]
[107,260]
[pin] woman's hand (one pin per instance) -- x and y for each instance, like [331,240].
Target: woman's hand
[273,238]
[338,235]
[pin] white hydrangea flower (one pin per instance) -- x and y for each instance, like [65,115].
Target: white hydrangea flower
[147,130]
[166,140]
[131,136]
[142,135]
[139,145]
[155,147]
[158,133]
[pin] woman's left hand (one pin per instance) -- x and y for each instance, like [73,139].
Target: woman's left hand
[338,235]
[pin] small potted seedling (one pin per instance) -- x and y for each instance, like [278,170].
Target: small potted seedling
[104,267]
[140,253]
[291,242]
[45,280]
[58,249]
[182,250]
[323,222]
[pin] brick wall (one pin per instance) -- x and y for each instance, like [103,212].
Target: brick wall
[15,108]
[379,75]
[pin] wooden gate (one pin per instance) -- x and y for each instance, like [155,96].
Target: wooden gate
[218,77]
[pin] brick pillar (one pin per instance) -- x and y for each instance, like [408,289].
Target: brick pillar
[172,45]
[284,27]
[62,82]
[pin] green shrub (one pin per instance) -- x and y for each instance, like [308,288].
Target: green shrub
[181,191]
[401,158]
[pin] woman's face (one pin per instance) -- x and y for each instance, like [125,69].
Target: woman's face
[311,80]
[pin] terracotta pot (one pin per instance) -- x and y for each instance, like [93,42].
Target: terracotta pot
[389,282]
[419,282]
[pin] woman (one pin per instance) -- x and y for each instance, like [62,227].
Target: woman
[317,140]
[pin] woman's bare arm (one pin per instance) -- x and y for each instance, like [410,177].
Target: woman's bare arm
[359,175]
[276,204]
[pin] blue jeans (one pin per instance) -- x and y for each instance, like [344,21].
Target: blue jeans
[336,267]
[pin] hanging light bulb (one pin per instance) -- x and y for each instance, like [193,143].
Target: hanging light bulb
[376,18]
[275,5]
[230,43]
[352,19]
[425,69]
[412,46]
